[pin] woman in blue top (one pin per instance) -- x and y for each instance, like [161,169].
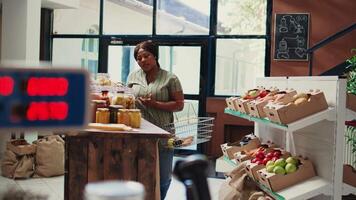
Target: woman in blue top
[159,94]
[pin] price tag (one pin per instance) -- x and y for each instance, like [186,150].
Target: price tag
[43,98]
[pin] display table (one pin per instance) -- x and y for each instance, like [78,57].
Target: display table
[95,155]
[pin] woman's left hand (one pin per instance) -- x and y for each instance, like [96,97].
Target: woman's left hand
[148,101]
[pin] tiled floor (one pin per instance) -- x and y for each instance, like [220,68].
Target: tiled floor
[54,187]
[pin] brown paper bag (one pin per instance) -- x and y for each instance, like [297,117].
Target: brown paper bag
[49,156]
[226,192]
[18,159]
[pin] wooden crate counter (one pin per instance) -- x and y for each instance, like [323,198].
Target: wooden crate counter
[94,155]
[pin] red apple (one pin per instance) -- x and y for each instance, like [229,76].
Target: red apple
[269,155]
[254,160]
[265,160]
[260,162]
[260,155]
[275,158]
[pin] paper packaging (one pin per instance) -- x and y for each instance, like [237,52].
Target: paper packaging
[21,147]
[277,182]
[229,149]
[285,114]
[230,102]
[242,105]
[351,102]
[349,175]
[252,168]
[255,107]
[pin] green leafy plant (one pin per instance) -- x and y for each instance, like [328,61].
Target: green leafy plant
[351,75]
[351,139]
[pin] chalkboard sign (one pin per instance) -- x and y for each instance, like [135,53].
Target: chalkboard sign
[291,36]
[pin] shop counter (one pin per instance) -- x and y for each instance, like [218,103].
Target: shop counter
[96,155]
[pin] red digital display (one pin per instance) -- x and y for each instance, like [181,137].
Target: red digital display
[42,111]
[6,85]
[47,86]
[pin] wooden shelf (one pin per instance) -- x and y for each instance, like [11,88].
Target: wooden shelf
[303,190]
[328,114]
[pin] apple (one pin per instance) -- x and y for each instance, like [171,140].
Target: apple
[270,168]
[280,162]
[265,160]
[270,163]
[260,155]
[279,170]
[290,168]
[254,160]
[269,155]
[277,153]
[275,158]
[292,160]
[260,162]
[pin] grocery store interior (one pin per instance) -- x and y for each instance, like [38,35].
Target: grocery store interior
[239,99]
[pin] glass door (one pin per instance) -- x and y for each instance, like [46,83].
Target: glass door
[184,59]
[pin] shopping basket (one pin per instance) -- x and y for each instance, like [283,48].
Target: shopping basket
[190,130]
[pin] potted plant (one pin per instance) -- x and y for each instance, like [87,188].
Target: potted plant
[351,82]
[350,167]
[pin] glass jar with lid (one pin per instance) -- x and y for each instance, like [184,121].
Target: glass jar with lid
[95,105]
[135,118]
[123,117]
[102,115]
[114,109]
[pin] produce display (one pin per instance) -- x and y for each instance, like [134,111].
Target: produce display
[279,106]
[247,143]
[283,173]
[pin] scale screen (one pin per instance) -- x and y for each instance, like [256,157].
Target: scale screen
[43,98]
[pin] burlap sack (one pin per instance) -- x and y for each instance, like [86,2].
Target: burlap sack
[49,156]
[238,186]
[18,159]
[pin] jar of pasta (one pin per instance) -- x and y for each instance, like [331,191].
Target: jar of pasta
[135,118]
[102,116]
[123,117]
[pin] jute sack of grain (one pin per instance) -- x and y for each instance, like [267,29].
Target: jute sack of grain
[49,156]
[18,159]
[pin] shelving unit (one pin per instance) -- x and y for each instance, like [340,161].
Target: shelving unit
[318,137]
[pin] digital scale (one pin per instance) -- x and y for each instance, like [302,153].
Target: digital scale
[43,98]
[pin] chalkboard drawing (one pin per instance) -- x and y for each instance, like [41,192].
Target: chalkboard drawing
[291,36]
[298,29]
[282,51]
[283,26]
[300,52]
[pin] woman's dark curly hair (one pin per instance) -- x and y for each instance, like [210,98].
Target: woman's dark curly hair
[147,46]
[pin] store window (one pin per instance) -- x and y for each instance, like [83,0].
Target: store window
[238,63]
[76,53]
[77,19]
[183,17]
[242,17]
[171,58]
[127,17]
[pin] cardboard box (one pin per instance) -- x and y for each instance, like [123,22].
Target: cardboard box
[351,102]
[255,107]
[277,182]
[229,102]
[229,149]
[21,147]
[241,105]
[349,175]
[285,114]
[252,168]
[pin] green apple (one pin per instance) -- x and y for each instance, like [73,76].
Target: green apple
[290,168]
[270,168]
[279,170]
[270,163]
[280,162]
[292,160]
